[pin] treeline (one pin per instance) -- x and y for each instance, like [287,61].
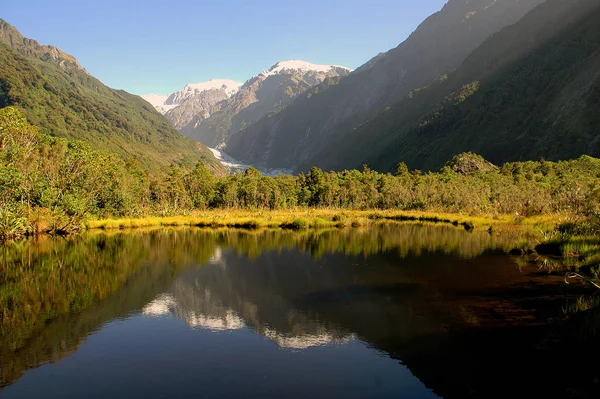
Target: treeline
[52,184]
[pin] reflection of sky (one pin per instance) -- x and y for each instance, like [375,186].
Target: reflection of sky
[161,357]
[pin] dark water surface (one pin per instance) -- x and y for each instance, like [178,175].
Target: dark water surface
[393,311]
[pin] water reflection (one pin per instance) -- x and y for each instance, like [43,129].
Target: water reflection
[411,291]
[196,314]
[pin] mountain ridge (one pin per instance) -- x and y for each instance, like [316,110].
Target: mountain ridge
[527,92]
[10,36]
[436,47]
[164,103]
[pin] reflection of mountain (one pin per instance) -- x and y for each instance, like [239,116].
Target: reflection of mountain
[220,298]
[438,314]
[304,340]
[300,302]
[271,296]
[199,313]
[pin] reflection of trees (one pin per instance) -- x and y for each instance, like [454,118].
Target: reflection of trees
[64,333]
[410,239]
[297,288]
[54,292]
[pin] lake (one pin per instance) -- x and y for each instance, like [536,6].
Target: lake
[394,310]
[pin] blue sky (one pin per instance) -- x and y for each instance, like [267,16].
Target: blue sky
[149,46]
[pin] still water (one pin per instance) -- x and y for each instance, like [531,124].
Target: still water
[406,310]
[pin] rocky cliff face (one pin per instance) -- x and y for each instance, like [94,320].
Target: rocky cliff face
[29,47]
[439,45]
[262,95]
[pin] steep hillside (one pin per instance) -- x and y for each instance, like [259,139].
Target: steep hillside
[266,93]
[530,91]
[59,96]
[439,45]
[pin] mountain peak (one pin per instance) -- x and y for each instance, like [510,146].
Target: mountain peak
[293,66]
[229,86]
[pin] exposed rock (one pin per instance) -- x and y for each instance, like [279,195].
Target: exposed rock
[469,163]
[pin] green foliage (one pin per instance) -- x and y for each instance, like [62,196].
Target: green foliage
[38,171]
[11,225]
[465,92]
[53,185]
[402,170]
[470,163]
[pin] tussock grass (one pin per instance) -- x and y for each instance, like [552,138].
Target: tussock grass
[304,218]
[527,232]
[577,251]
[297,224]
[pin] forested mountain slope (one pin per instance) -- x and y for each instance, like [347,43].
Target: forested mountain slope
[59,96]
[530,91]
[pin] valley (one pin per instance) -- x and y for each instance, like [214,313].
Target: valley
[202,201]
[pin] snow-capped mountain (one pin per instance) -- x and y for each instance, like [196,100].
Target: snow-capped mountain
[299,67]
[265,93]
[229,87]
[194,100]
[164,103]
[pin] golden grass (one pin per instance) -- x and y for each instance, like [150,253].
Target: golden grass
[296,219]
[303,218]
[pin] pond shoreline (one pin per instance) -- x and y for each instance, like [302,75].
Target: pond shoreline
[540,234]
[331,218]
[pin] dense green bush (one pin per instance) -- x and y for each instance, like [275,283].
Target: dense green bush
[51,184]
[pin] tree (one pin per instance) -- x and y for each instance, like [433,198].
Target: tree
[315,184]
[402,170]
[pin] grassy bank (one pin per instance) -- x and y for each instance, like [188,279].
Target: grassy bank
[321,218]
[550,238]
